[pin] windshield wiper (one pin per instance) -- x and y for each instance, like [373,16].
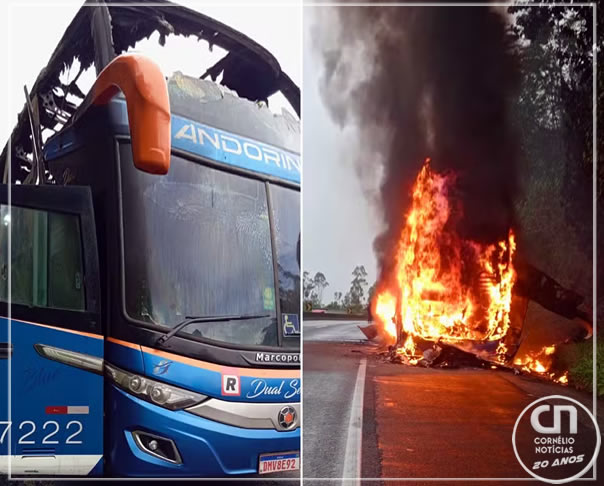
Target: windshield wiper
[195,320]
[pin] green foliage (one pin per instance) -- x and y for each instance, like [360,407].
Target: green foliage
[557,74]
[581,374]
[354,301]
[553,120]
[336,303]
[356,294]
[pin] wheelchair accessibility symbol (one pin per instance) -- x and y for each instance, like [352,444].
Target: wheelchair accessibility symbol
[291,325]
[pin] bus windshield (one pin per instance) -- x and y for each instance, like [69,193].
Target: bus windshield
[197,243]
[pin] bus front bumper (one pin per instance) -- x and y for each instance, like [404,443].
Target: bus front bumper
[206,448]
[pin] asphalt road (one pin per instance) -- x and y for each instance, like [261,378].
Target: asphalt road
[337,331]
[414,422]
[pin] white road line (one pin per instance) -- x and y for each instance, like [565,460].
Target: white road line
[351,473]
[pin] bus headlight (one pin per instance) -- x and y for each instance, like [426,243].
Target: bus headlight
[137,384]
[162,394]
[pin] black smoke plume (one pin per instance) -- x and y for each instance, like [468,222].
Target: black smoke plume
[423,82]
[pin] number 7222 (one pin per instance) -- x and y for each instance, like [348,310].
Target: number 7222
[27,429]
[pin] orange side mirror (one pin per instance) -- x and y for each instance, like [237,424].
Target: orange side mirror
[146,92]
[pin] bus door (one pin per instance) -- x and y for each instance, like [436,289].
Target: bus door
[51,349]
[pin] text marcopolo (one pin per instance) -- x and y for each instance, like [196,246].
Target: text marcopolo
[277,358]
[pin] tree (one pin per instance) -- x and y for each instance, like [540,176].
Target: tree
[335,304]
[355,298]
[346,303]
[308,286]
[557,65]
[320,282]
[554,120]
[313,288]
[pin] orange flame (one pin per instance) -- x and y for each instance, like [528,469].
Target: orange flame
[540,363]
[445,288]
[385,308]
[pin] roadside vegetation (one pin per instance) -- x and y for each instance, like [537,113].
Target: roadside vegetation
[355,301]
[581,374]
[577,358]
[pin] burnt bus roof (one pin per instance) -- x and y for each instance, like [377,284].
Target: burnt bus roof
[212,104]
[208,120]
[99,32]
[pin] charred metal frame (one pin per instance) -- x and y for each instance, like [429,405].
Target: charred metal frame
[99,32]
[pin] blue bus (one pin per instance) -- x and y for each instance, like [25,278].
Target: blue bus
[150,261]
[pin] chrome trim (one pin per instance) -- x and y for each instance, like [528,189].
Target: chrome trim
[85,362]
[244,414]
[137,440]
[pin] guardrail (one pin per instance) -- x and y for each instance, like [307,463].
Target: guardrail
[333,316]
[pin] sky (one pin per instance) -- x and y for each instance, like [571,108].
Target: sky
[339,225]
[30,31]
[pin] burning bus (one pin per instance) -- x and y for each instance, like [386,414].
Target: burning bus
[471,236]
[447,300]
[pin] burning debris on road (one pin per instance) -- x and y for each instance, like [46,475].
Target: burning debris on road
[451,300]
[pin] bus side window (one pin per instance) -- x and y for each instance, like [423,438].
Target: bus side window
[46,258]
[65,272]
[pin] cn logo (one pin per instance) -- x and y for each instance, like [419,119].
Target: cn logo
[557,427]
[230,385]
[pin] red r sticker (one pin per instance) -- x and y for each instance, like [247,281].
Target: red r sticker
[231,384]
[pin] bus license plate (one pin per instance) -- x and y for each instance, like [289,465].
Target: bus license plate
[279,462]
